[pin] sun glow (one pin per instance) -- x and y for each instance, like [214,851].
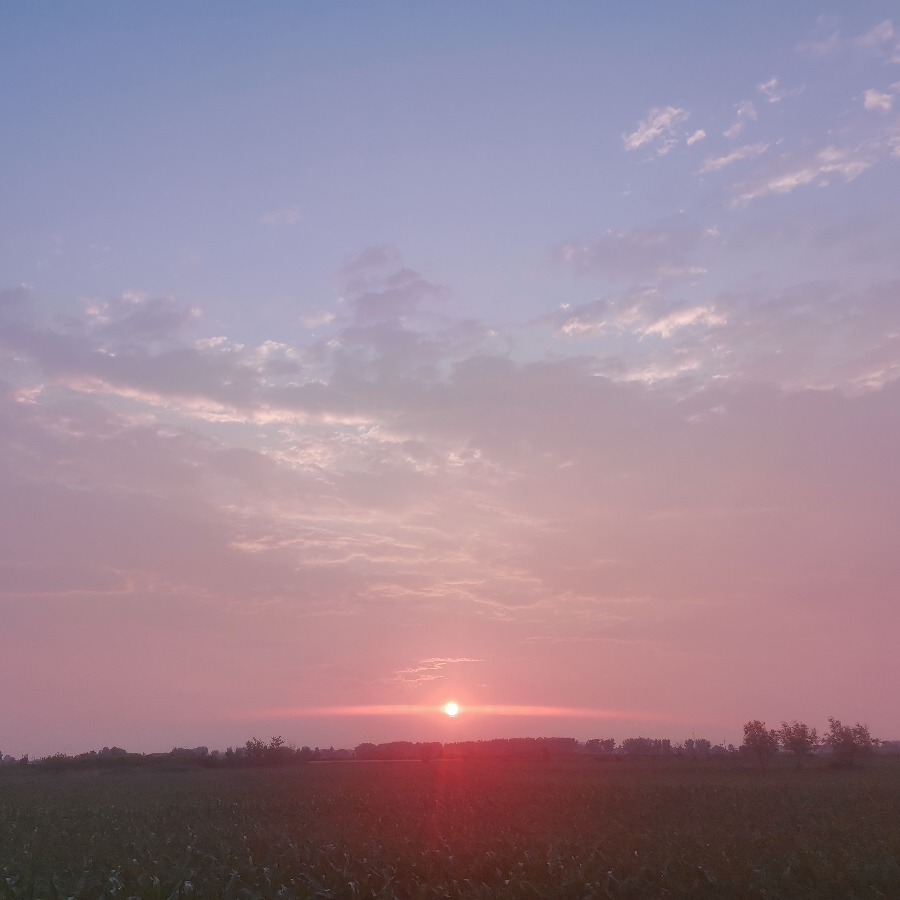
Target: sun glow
[453,709]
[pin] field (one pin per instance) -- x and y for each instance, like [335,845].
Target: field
[572,829]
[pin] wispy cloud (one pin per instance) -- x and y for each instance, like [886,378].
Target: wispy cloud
[659,127]
[827,40]
[717,163]
[318,318]
[637,254]
[775,93]
[745,111]
[698,135]
[667,325]
[875,100]
[878,39]
[789,172]
[428,670]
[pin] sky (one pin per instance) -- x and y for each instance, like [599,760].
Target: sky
[543,357]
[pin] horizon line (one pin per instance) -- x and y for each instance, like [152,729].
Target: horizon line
[558,712]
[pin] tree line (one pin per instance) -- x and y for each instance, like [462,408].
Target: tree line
[847,744]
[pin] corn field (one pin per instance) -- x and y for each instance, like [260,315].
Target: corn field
[577,829]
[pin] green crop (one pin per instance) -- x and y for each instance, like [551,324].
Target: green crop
[576,829]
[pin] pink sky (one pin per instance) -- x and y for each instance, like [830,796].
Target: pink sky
[626,458]
[510,534]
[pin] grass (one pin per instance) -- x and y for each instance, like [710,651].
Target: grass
[574,829]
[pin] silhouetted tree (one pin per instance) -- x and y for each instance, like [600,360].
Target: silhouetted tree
[278,752]
[697,747]
[641,746]
[798,739]
[256,750]
[849,742]
[760,741]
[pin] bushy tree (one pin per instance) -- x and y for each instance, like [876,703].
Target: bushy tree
[760,741]
[278,752]
[256,750]
[601,745]
[849,742]
[642,746]
[697,747]
[798,739]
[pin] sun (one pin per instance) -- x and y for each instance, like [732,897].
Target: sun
[451,709]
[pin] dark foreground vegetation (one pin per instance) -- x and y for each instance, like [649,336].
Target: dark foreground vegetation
[577,828]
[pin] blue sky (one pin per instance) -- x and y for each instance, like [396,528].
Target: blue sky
[145,146]
[536,354]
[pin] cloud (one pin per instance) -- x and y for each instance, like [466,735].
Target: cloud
[635,254]
[659,126]
[698,135]
[374,295]
[137,318]
[827,40]
[745,110]
[428,670]
[372,259]
[280,218]
[774,93]
[823,47]
[317,318]
[643,314]
[458,472]
[209,343]
[876,100]
[789,172]
[672,322]
[818,336]
[717,163]
[877,38]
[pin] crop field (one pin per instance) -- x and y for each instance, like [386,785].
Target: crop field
[573,829]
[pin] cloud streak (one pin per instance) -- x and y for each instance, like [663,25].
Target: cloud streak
[659,128]
[627,254]
[717,163]
[789,173]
